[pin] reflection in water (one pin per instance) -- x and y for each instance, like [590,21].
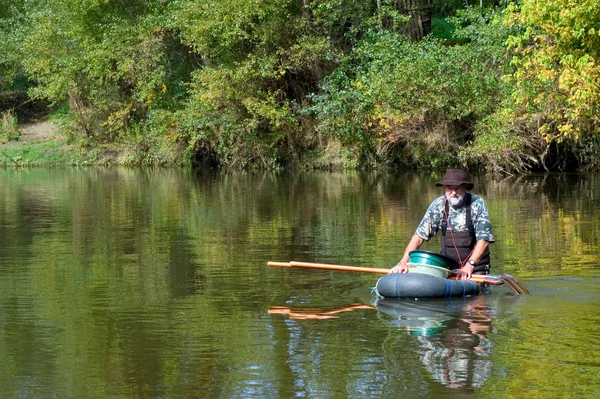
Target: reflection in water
[141,283]
[316,314]
[455,348]
[452,333]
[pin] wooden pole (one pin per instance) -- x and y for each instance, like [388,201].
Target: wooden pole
[477,278]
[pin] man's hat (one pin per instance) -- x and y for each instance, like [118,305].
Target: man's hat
[455,177]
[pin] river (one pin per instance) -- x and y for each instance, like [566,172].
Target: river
[153,283]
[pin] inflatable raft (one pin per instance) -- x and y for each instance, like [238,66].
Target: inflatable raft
[427,277]
[419,285]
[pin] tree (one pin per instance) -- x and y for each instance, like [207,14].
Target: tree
[108,58]
[557,77]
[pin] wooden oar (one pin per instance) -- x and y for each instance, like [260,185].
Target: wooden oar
[510,281]
[324,266]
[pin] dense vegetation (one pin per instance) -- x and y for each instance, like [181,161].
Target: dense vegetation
[506,86]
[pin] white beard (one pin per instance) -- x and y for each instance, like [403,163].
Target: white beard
[455,202]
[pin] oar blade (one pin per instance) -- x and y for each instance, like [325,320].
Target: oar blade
[514,284]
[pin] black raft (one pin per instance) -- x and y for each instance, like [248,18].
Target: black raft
[419,285]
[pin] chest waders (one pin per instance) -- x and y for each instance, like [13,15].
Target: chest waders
[463,242]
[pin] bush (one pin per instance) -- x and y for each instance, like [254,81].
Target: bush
[410,102]
[9,126]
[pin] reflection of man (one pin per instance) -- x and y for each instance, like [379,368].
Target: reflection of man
[452,334]
[464,221]
[461,356]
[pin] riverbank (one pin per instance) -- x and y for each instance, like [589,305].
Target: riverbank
[44,143]
[40,143]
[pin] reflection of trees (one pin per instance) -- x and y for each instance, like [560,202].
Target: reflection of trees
[544,221]
[122,277]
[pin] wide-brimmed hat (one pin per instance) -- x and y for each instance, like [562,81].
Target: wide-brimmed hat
[455,177]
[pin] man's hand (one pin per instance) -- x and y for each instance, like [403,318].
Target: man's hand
[465,272]
[401,267]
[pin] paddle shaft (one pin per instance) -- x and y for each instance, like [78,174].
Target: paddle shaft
[477,278]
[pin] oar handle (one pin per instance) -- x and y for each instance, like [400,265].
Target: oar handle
[279,264]
[477,278]
[323,266]
[483,279]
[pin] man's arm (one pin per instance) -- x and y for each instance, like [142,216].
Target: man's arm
[414,244]
[425,231]
[466,271]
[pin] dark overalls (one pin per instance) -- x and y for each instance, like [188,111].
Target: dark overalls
[464,241]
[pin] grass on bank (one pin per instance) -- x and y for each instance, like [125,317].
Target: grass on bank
[50,153]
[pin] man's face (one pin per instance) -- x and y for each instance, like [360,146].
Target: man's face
[455,194]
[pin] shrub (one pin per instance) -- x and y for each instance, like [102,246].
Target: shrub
[9,126]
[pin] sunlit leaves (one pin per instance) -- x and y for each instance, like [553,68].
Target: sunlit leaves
[557,65]
[230,29]
[260,60]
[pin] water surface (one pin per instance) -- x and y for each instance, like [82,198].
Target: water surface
[129,283]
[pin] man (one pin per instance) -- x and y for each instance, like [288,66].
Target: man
[464,221]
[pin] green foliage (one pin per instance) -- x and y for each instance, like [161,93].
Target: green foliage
[272,82]
[245,102]
[499,143]
[442,29]
[12,24]
[343,21]
[587,150]
[108,58]
[503,146]
[157,141]
[240,123]
[229,30]
[548,116]
[234,110]
[386,96]
[231,81]
[446,8]
[556,77]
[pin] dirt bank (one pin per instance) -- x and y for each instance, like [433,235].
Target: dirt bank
[37,132]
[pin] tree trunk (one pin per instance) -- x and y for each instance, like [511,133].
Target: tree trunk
[419,12]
